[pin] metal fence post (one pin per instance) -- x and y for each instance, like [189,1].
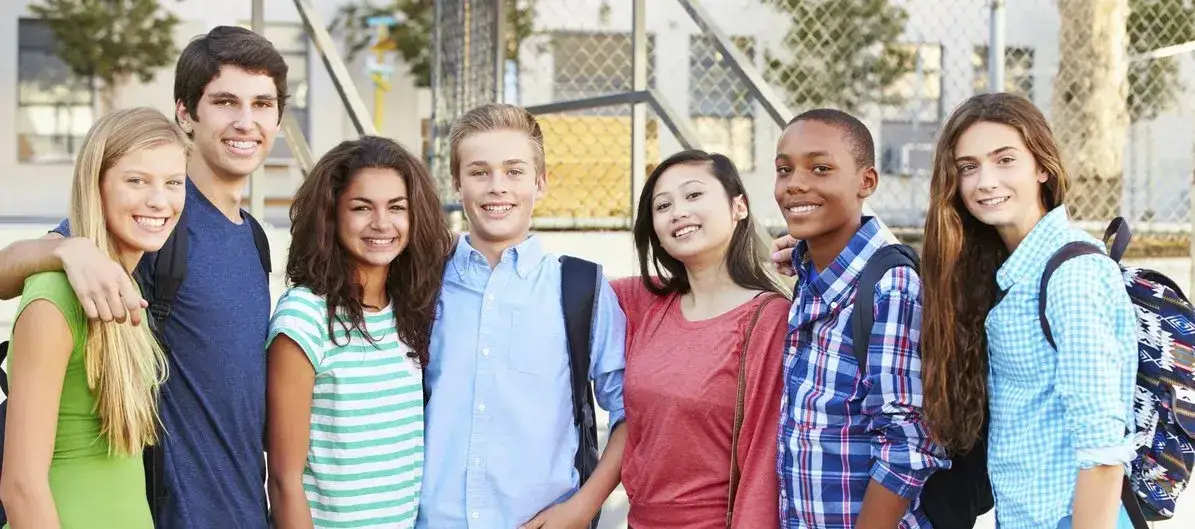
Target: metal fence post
[257,180]
[638,110]
[996,48]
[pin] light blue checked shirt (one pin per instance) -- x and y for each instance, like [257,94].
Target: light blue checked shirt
[500,440]
[1054,412]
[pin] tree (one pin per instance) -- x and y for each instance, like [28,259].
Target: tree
[1090,103]
[1154,84]
[842,53]
[110,41]
[413,33]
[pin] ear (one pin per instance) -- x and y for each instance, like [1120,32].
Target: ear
[738,208]
[541,185]
[183,117]
[1042,175]
[869,182]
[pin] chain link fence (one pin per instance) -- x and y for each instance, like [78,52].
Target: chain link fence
[1106,73]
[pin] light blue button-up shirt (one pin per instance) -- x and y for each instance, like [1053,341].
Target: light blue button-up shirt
[500,440]
[1057,411]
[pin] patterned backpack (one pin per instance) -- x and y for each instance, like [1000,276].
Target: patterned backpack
[1164,400]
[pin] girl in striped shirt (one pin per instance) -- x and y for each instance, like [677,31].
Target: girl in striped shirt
[348,340]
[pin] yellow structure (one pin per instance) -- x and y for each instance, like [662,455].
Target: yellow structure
[589,165]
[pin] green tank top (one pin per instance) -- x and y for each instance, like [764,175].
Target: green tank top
[91,488]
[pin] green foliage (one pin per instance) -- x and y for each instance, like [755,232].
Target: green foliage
[1154,85]
[413,33]
[111,40]
[841,53]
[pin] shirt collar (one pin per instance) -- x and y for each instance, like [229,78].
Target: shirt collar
[527,255]
[833,283]
[1031,255]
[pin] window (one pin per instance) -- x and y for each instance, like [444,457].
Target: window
[1018,70]
[54,106]
[589,64]
[291,41]
[918,94]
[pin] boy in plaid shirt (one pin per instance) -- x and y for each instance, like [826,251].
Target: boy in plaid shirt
[853,448]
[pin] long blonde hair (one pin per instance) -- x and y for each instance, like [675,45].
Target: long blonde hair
[125,364]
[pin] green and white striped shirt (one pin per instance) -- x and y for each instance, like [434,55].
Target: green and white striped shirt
[365,461]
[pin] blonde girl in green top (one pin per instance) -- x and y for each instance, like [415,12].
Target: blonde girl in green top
[83,394]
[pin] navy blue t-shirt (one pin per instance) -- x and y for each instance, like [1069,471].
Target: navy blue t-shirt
[213,402]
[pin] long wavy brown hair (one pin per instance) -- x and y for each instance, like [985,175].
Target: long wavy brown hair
[959,263]
[319,262]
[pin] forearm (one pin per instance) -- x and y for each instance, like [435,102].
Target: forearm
[288,503]
[22,259]
[29,505]
[1097,497]
[882,508]
[608,473]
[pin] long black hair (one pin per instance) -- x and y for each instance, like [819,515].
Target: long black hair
[744,257]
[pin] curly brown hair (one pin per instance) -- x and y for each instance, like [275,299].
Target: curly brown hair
[959,263]
[319,262]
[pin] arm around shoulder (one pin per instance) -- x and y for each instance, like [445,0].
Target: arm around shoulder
[22,259]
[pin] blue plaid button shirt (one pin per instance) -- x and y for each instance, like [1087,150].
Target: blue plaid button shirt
[839,431]
[1054,412]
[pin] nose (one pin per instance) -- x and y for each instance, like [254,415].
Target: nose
[157,197]
[379,219]
[986,180]
[795,184]
[499,184]
[244,119]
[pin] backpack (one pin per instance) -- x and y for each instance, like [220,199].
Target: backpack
[1164,398]
[953,498]
[170,269]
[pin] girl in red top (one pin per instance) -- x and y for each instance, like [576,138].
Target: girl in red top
[702,284]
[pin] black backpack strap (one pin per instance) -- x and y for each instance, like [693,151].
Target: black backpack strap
[261,241]
[170,269]
[3,373]
[578,297]
[863,318]
[1068,251]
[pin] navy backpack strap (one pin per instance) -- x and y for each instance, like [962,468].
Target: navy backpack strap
[578,297]
[863,317]
[262,242]
[170,269]
[1068,251]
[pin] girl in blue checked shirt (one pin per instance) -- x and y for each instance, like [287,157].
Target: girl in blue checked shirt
[1057,443]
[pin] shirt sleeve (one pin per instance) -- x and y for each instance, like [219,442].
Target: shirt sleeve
[63,228]
[1086,304]
[299,318]
[608,355]
[901,448]
[757,500]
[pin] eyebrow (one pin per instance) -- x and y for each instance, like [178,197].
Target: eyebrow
[134,170]
[687,182]
[990,153]
[230,95]
[368,201]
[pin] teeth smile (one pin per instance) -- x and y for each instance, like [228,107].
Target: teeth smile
[803,209]
[685,231]
[379,242]
[245,145]
[993,201]
[151,222]
[498,209]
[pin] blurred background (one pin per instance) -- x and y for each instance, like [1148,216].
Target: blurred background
[620,84]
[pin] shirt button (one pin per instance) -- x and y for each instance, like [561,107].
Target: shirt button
[485,351]
[833,304]
[476,515]
[481,407]
[490,297]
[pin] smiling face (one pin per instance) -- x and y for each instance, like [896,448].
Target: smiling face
[692,216]
[235,124]
[819,186]
[142,195]
[498,186]
[372,218]
[1000,182]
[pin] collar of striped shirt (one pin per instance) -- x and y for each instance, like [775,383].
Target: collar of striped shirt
[833,284]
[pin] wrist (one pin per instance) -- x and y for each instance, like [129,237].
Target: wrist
[61,251]
[588,499]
